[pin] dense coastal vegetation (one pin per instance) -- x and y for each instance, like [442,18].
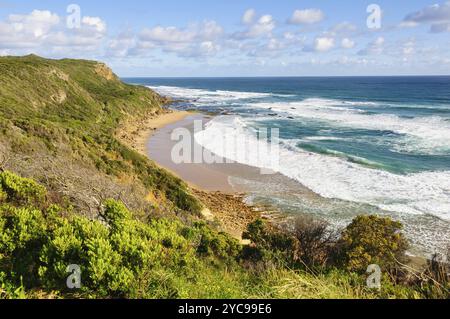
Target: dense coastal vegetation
[71,193]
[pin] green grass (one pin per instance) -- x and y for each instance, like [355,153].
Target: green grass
[58,120]
[35,122]
[123,256]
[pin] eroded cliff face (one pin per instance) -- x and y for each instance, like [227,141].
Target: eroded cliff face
[104,71]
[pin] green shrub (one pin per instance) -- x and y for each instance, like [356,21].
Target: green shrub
[120,259]
[22,232]
[3,195]
[218,244]
[121,256]
[269,244]
[315,241]
[21,190]
[9,290]
[115,213]
[372,240]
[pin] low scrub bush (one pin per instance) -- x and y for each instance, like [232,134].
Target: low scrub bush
[220,245]
[20,190]
[269,245]
[316,242]
[372,240]
[119,256]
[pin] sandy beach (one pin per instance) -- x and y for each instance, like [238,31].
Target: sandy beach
[136,132]
[206,177]
[224,203]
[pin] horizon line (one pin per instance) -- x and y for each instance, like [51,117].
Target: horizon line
[280,76]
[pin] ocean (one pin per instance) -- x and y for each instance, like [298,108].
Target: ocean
[363,144]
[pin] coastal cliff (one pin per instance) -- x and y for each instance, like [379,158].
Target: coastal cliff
[58,120]
[74,192]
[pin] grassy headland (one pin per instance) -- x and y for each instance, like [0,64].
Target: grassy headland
[72,193]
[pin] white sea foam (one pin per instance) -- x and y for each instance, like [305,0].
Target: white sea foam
[324,138]
[199,96]
[432,133]
[334,177]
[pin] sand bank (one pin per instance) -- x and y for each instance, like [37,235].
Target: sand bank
[136,132]
[210,183]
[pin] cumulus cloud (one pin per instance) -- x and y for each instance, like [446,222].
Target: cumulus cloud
[98,24]
[347,43]
[271,48]
[307,16]
[37,22]
[256,27]
[375,47]
[249,16]
[167,35]
[263,26]
[27,30]
[199,39]
[408,47]
[122,45]
[45,32]
[208,30]
[343,28]
[323,44]
[437,15]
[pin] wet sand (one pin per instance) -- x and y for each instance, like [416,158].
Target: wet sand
[222,187]
[136,132]
[210,183]
[203,176]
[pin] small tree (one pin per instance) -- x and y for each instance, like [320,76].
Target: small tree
[372,240]
[269,244]
[315,241]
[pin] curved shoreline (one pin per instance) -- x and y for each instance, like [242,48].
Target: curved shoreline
[210,183]
[136,132]
[224,203]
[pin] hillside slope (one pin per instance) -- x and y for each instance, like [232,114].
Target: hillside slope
[57,123]
[72,193]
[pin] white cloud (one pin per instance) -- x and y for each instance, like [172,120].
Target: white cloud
[343,28]
[264,26]
[208,48]
[323,44]
[196,40]
[347,43]
[274,44]
[167,34]
[433,13]
[271,48]
[249,16]
[375,47]
[208,30]
[37,22]
[307,16]
[98,24]
[27,30]
[122,45]
[44,32]
[408,48]
[437,15]
[408,24]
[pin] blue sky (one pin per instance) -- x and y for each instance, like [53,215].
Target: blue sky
[236,38]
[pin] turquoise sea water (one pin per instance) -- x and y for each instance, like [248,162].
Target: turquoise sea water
[372,144]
